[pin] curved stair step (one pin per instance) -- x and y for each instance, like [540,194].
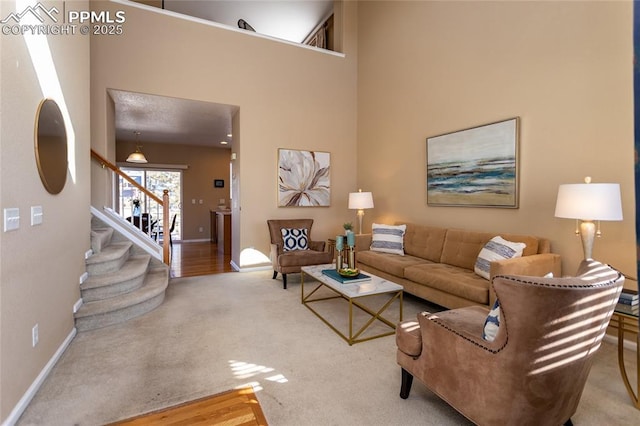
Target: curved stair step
[110,259]
[102,313]
[100,238]
[129,278]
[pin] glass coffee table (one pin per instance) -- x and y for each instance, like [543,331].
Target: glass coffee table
[355,294]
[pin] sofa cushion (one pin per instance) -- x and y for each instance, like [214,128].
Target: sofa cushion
[461,248]
[390,263]
[496,248]
[295,239]
[424,241]
[388,238]
[304,258]
[450,279]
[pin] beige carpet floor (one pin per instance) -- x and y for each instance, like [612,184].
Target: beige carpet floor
[225,331]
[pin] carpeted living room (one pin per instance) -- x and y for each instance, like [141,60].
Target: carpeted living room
[403,74]
[220,332]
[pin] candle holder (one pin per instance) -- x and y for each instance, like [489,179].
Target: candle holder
[352,257]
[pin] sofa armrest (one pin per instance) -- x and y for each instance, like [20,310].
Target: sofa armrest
[316,245]
[274,251]
[537,265]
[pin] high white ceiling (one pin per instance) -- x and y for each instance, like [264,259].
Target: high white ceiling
[172,120]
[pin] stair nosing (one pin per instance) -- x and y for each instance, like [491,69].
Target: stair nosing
[130,268]
[151,288]
[111,252]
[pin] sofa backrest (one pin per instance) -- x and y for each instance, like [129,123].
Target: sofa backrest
[461,247]
[424,241]
[275,225]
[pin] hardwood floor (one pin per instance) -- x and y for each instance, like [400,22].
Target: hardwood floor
[192,259]
[237,407]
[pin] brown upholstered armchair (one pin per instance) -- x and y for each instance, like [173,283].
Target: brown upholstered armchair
[290,261]
[534,372]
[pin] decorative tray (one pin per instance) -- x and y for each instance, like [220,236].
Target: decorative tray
[348,273]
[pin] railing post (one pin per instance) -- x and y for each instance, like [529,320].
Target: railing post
[166,231]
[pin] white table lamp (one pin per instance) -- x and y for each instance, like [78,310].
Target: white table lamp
[588,202]
[360,201]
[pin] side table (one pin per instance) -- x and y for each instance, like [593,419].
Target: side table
[331,248]
[362,241]
[626,321]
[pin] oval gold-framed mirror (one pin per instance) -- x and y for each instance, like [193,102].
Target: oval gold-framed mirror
[51,146]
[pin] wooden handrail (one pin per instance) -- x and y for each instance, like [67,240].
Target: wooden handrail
[108,164]
[164,202]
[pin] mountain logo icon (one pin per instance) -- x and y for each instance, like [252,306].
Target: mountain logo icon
[37,11]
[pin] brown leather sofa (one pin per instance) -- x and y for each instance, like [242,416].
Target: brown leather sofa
[534,372]
[287,262]
[438,264]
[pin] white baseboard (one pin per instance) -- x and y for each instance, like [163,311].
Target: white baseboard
[77,305]
[237,268]
[17,411]
[193,241]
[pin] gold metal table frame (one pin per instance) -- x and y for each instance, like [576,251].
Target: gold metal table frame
[627,323]
[353,338]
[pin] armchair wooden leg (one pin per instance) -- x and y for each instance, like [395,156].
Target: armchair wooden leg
[407,381]
[275,274]
[284,281]
[568,423]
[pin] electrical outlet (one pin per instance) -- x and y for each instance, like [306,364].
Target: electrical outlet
[201,229]
[34,335]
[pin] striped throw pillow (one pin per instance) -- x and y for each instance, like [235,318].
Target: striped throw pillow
[496,248]
[388,238]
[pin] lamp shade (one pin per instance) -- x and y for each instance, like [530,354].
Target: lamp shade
[360,200]
[136,157]
[589,201]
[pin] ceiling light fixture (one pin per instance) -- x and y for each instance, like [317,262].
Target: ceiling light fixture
[137,156]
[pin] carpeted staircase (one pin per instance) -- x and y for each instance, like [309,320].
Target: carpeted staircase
[124,281]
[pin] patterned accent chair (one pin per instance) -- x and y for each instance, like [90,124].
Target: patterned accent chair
[292,261]
[535,370]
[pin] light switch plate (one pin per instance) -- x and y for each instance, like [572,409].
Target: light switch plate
[11,219]
[36,215]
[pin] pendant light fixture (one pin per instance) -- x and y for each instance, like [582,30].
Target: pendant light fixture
[137,156]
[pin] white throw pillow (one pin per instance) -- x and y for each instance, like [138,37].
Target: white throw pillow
[388,238]
[295,239]
[496,248]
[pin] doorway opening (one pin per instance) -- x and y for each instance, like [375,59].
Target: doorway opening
[133,202]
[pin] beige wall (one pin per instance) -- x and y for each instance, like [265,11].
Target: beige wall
[288,97]
[204,165]
[424,68]
[39,281]
[564,68]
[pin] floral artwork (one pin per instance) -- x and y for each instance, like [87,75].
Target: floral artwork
[303,178]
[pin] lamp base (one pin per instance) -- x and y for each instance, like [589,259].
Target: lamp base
[360,215]
[587,233]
